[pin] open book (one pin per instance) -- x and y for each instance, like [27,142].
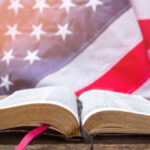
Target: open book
[103,111]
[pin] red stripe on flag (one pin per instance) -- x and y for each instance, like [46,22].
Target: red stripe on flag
[145,28]
[127,75]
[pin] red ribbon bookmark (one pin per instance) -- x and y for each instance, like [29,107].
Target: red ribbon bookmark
[30,136]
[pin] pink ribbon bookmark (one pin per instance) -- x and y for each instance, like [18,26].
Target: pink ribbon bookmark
[30,136]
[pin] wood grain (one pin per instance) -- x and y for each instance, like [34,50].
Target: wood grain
[136,142]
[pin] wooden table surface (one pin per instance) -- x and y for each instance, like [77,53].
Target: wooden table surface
[8,141]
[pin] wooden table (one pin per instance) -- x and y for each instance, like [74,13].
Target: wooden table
[8,141]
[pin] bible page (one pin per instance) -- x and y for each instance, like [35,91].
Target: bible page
[57,95]
[99,100]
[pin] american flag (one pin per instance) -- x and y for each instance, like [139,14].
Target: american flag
[81,44]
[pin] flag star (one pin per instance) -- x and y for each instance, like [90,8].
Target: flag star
[32,56]
[12,31]
[15,5]
[94,4]
[37,31]
[40,4]
[8,56]
[67,4]
[6,82]
[63,31]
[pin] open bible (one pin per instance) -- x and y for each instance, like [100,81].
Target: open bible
[103,111]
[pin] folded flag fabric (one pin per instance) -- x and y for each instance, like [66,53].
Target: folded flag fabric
[142,12]
[86,44]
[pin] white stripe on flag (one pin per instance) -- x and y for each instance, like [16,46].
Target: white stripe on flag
[111,46]
[144,90]
[142,8]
